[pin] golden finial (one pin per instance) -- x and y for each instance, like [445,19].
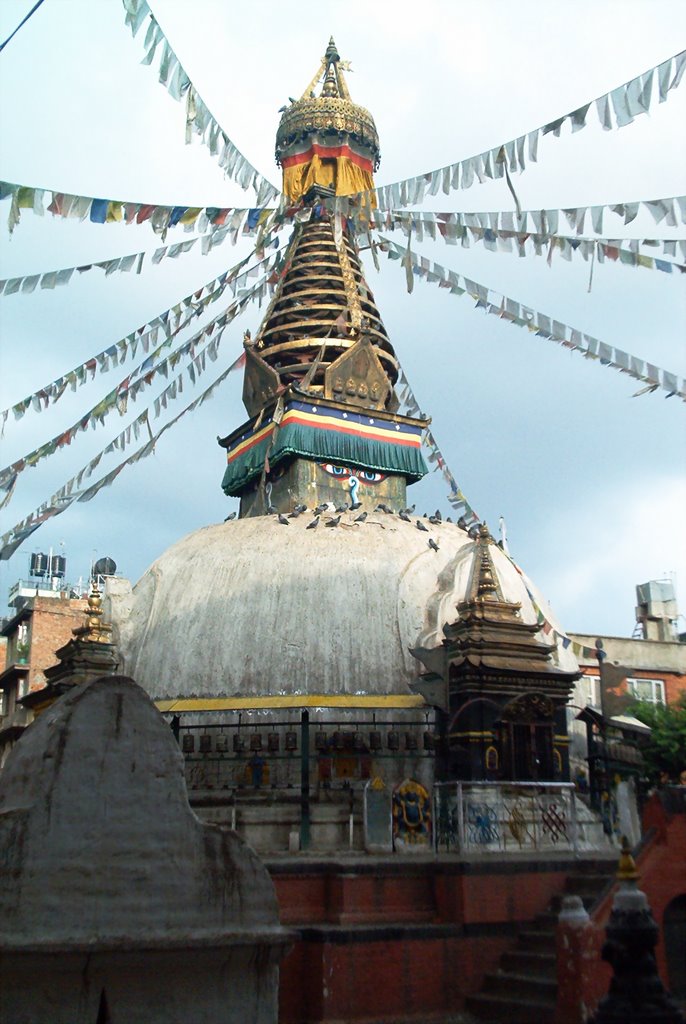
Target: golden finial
[626,871]
[330,87]
[487,584]
[95,631]
[331,56]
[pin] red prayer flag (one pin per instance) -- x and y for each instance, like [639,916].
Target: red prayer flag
[56,205]
[144,213]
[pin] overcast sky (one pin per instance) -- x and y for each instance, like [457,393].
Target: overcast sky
[590,480]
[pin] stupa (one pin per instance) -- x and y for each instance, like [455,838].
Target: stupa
[280,644]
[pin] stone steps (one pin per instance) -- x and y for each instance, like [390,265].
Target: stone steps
[519,961]
[495,1009]
[532,941]
[528,986]
[524,989]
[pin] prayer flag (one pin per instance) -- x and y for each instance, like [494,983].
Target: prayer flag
[98,214]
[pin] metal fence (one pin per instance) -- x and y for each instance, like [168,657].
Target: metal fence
[504,816]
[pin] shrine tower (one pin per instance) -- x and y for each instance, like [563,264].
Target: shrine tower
[289,645]
[320,372]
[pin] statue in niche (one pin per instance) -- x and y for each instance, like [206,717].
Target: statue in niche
[411,817]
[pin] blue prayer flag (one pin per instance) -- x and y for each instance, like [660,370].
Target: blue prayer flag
[176,215]
[99,210]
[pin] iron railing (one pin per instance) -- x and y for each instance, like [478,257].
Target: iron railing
[504,816]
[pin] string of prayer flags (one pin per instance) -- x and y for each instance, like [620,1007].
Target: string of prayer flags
[614,109]
[435,456]
[626,250]
[52,279]
[579,219]
[582,651]
[110,211]
[119,396]
[199,120]
[70,492]
[169,323]
[542,325]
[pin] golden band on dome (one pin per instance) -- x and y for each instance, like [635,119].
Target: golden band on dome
[300,700]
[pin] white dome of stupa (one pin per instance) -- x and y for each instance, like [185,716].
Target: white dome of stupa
[255,608]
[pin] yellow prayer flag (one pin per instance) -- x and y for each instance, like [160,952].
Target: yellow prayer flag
[114,212]
[25,197]
[191,215]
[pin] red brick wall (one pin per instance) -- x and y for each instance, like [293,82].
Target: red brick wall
[439,893]
[662,870]
[509,897]
[400,941]
[51,627]
[675,685]
[393,979]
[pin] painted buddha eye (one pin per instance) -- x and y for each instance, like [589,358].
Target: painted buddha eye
[341,472]
[364,476]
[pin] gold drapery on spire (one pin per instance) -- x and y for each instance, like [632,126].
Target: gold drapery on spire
[327,139]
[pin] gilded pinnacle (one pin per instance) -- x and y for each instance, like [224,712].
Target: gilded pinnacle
[626,871]
[331,56]
[95,630]
[487,584]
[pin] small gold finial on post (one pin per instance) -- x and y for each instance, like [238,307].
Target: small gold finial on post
[626,870]
[95,630]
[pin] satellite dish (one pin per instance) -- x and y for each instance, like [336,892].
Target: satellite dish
[105,567]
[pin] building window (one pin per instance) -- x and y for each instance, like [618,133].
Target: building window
[591,691]
[652,690]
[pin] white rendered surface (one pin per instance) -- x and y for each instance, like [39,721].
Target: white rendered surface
[256,608]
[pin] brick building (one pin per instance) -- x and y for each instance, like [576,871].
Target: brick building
[42,623]
[649,666]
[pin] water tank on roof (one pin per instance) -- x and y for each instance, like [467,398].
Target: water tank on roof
[105,567]
[38,565]
[57,566]
[657,610]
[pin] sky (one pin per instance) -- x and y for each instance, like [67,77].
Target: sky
[589,479]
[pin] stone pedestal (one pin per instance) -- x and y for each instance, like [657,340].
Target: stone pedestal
[575,948]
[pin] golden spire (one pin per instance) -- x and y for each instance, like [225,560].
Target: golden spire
[485,584]
[327,140]
[322,308]
[627,871]
[95,631]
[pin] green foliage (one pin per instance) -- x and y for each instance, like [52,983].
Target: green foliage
[666,751]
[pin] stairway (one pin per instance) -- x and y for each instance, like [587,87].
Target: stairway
[524,988]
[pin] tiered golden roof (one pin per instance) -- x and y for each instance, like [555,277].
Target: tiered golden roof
[322,308]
